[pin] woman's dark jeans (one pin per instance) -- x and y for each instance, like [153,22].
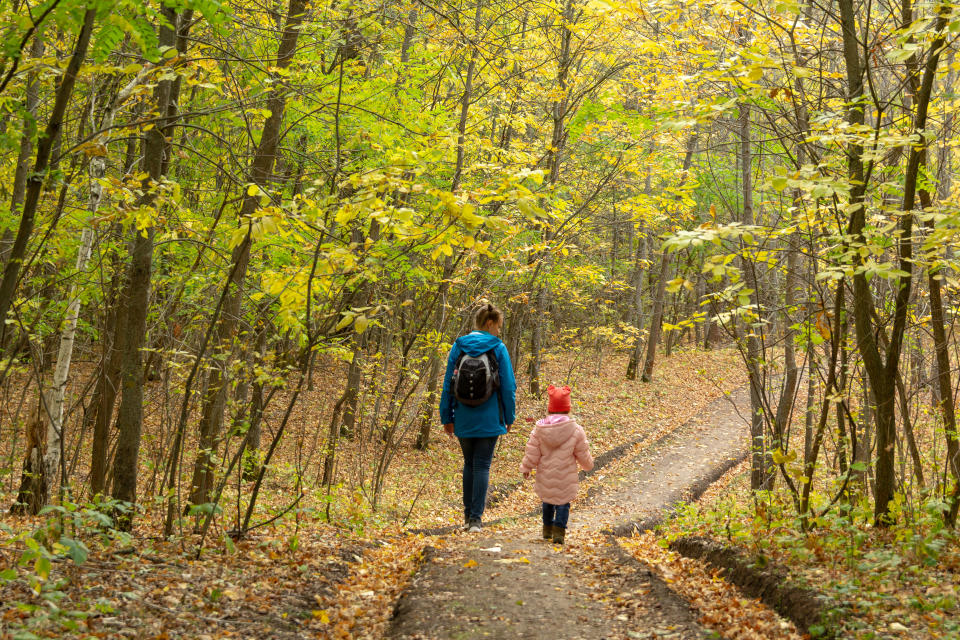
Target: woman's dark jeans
[477,456]
[556,515]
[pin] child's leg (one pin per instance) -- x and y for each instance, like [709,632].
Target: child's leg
[560,517]
[548,515]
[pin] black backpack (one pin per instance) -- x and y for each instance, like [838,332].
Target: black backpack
[475,378]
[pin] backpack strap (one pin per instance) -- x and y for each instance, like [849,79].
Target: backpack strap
[452,400]
[499,390]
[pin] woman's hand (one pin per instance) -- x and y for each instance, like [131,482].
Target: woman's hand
[526,475]
[448,428]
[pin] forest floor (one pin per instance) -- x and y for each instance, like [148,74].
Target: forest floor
[308,574]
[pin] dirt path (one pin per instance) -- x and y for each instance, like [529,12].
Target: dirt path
[506,583]
[671,469]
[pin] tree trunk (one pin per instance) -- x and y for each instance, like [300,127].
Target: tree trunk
[656,315]
[31,496]
[31,99]
[883,371]
[11,272]
[52,402]
[259,174]
[108,385]
[759,475]
[135,298]
[665,274]
[638,307]
[554,159]
[430,401]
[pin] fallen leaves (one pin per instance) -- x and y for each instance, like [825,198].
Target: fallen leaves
[722,607]
[362,604]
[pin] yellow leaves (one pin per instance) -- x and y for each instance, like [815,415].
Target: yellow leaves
[673,286]
[720,605]
[527,206]
[779,457]
[651,47]
[470,564]
[441,250]
[346,213]
[359,318]
[321,615]
[237,236]
[360,324]
[263,113]
[468,216]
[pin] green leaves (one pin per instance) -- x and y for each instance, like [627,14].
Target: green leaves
[216,13]
[108,37]
[77,551]
[115,27]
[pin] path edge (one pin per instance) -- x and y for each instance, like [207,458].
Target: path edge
[814,613]
[811,611]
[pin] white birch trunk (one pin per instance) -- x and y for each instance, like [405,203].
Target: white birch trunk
[53,399]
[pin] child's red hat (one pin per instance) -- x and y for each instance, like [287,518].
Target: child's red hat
[559,399]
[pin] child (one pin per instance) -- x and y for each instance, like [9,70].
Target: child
[555,447]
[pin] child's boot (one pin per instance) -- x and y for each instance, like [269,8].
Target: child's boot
[548,531]
[558,533]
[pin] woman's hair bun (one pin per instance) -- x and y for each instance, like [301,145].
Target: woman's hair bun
[485,314]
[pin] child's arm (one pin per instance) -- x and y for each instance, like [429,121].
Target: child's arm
[581,451]
[531,455]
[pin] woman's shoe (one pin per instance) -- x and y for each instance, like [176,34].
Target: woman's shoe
[475,526]
[558,533]
[547,531]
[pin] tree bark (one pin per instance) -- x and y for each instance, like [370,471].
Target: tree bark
[759,475]
[31,99]
[666,273]
[882,371]
[135,298]
[52,402]
[554,159]
[11,272]
[638,307]
[259,175]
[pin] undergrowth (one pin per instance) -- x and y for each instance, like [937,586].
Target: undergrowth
[898,581]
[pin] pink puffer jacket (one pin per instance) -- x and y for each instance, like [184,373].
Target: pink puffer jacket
[555,447]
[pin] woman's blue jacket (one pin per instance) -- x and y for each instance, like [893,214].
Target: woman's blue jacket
[491,417]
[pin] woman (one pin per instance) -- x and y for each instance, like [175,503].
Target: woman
[478,405]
